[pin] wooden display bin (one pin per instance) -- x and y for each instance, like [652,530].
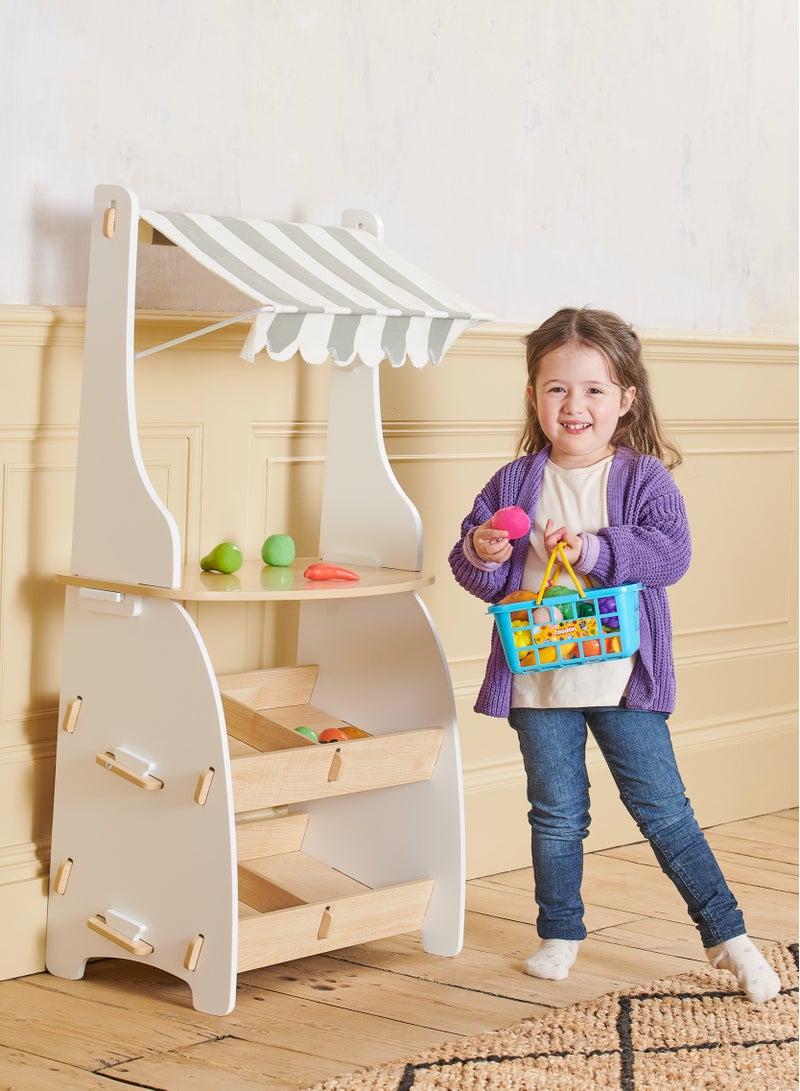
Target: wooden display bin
[291,904]
[271,764]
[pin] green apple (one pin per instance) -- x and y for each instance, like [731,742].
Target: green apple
[278,550]
[226,557]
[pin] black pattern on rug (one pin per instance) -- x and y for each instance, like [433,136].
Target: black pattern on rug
[625,1050]
[643,1043]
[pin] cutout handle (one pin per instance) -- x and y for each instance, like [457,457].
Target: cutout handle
[98,924]
[146,781]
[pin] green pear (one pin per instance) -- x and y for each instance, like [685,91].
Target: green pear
[226,557]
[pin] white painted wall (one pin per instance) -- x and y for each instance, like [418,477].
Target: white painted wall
[635,154]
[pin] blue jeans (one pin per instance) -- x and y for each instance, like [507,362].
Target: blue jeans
[638,750]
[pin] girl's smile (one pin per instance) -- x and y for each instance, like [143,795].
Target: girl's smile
[578,404]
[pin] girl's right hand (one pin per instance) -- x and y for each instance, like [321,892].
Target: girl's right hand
[492,546]
[573,543]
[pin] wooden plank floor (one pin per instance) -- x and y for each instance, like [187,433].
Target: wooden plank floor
[295,1024]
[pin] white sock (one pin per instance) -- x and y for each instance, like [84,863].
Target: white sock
[748,965]
[554,959]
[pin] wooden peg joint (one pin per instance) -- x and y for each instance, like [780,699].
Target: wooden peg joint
[193,952]
[203,786]
[62,876]
[335,770]
[325,924]
[71,714]
[110,222]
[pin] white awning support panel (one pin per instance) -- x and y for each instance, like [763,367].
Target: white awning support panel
[325,291]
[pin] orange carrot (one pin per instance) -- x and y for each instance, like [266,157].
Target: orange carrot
[329,572]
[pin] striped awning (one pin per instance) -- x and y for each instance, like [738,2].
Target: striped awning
[326,291]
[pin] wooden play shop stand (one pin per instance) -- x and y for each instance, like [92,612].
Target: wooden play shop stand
[194,828]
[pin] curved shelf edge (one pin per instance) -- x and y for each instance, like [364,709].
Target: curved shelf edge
[256,581]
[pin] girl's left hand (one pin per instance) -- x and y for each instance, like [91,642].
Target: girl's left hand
[573,543]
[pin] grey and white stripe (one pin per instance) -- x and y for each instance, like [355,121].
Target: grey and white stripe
[328,290]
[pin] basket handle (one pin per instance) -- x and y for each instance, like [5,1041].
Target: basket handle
[559,553]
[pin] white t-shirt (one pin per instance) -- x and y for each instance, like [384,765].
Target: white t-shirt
[575,499]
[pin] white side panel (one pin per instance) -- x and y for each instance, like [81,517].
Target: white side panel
[382,668]
[366,517]
[156,857]
[122,530]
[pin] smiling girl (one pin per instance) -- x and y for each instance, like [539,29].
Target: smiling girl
[594,474]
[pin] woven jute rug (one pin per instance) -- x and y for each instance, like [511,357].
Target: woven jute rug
[695,1032]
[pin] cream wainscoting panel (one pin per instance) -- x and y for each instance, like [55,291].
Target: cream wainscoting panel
[237,452]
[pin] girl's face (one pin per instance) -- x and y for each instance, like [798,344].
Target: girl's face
[578,404]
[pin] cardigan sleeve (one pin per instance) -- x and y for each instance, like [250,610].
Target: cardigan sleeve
[515,483]
[488,582]
[651,542]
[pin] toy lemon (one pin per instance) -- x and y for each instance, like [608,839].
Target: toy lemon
[522,637]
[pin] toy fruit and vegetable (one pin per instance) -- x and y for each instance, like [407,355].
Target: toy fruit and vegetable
[307,732]
[521,596]
[226,557]
[514,520]
[587,626]
[546,655]
[566,608]
[332,734]
[355,732]
[329,572]
[278,550]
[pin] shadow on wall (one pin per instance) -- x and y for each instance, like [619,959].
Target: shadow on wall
[44,485]
[60,241]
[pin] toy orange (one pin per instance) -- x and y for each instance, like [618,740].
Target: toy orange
[518,596]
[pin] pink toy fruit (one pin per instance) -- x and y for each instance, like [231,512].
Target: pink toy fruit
[514,520]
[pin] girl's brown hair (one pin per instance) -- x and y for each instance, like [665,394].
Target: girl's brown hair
[639,428]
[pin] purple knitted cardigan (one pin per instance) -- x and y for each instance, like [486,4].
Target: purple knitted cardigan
[647,540]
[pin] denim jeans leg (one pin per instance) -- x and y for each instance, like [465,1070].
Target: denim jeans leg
[637,746]
[553,745]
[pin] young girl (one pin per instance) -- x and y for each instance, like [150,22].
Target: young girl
[595,475]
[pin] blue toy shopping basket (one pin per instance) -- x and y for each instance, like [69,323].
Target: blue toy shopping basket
[567,630]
